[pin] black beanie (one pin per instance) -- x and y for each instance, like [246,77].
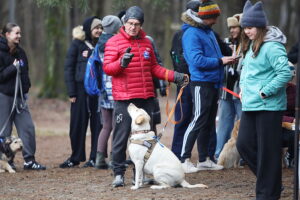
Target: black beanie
[87,27]
[134,12]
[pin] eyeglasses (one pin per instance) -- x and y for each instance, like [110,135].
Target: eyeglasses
[133,24]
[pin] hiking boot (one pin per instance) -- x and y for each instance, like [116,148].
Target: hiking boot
[100,161]
[68,164]
[119,181]
[12,164]
[33,165]
[89,163]
[188,166]
[208,165]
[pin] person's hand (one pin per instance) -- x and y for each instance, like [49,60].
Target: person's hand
[180,79]
[16,63]
[126,59]
[72,99]
[229,59]
[85,53]
[262,95]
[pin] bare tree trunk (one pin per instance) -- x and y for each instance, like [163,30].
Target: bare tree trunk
[12,11]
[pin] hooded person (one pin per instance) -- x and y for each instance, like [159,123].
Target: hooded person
[263,84]
[129,58]
[111,25]
[84,108]
[205,63]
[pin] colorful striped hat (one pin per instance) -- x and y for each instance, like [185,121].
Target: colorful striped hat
[208,9]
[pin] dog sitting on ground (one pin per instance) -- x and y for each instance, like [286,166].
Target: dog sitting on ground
[159,161]
[8,148]
[229,156]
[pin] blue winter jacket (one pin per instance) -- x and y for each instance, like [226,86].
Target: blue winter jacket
[202,53]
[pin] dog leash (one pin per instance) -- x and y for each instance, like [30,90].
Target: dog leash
[18,85]
[171,113]
[231,92]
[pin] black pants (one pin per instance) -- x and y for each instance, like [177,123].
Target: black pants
[259,144]
[122,129]
[205,106]
[85,109]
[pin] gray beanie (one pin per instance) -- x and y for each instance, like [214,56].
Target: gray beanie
[134,12]
[254,15]
[111,24]
[193,5]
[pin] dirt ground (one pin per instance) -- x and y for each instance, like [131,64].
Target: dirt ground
[51,118]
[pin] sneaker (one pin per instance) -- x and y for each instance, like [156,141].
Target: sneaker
[33,165]
[89,163]
[119,181]
[68,164]
[12,164]
[188,167]
[208,165]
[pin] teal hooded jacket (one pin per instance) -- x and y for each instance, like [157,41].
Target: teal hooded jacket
[266,73]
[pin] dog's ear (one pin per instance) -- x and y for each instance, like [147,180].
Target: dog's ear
[140,119]
[8,140]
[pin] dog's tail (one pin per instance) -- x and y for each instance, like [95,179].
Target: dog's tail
[185,184]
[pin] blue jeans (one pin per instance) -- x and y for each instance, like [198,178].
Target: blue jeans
[229,112]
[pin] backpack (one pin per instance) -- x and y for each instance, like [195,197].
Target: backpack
[93,74]
[176,53]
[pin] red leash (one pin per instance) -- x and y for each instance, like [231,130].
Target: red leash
[231,92]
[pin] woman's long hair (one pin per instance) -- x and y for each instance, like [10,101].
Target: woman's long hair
[257,42]
[8,28]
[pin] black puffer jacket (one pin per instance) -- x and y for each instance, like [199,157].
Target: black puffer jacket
[75,63]
[8,71]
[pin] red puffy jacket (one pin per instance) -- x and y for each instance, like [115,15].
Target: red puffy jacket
[135,81]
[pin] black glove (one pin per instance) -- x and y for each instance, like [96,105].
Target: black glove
[180,79]
[162,88]
[125,60]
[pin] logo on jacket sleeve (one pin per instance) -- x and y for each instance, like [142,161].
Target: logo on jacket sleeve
[147,54]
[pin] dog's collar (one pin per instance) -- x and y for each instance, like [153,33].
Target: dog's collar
[141,131]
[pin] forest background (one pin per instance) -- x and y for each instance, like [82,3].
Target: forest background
[47,26]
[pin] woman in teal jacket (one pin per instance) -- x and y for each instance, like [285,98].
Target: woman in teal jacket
[264,76]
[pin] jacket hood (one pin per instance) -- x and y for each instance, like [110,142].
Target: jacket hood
[78,33]
[190,18]
[102,40]
[3,44]
[274,34]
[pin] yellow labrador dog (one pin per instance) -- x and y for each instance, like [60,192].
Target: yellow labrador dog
[152,157]
[229,156]
[8,148]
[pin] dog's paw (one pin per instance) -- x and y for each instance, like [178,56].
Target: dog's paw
[134,187]
[2,170]
[12,171]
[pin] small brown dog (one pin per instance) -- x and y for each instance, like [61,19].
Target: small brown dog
[230,157]
[8,148]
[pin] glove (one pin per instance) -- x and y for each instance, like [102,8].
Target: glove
[125,60]
[162,88]
[180,79]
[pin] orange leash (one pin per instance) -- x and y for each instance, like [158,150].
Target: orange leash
[231,92]
[171,113]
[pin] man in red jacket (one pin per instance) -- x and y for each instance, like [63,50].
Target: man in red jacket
[129,58]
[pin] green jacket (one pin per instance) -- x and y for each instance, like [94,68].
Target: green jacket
[267,73]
